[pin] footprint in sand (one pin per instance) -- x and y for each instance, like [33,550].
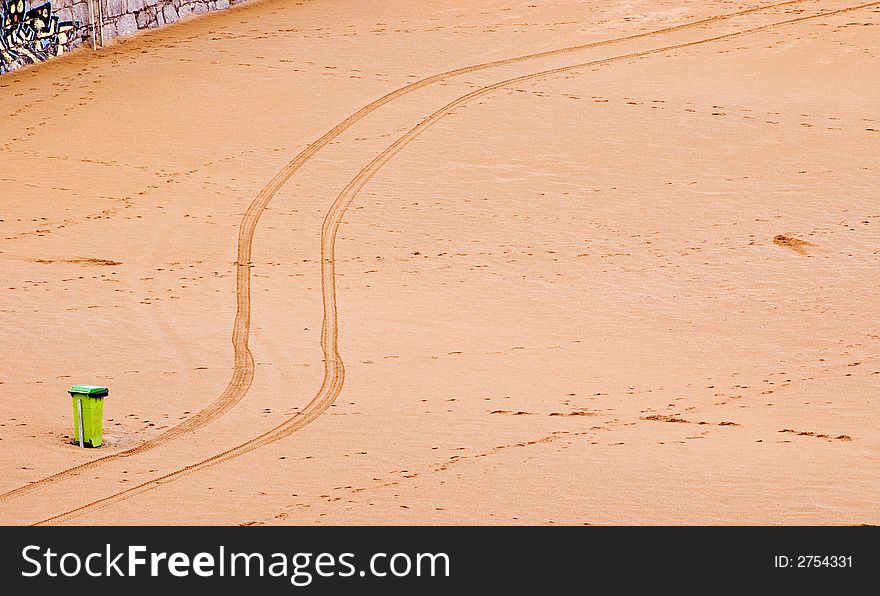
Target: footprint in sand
[80,261]
[795,244]
[817,435]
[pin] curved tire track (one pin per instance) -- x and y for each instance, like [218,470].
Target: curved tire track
[243,362]
[334,370]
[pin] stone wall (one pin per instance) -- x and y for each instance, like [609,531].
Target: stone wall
[33,31]
[124,17]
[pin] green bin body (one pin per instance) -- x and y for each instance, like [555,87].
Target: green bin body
[92,400]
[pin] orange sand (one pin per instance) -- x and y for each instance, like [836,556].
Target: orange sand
[633,281]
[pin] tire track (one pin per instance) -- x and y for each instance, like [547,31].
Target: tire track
[334,370]
[243,361]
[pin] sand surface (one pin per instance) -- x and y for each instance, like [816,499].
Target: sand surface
[634,280]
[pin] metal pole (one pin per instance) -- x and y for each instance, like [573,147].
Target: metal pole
[92,22]
[79,410]
[100,22]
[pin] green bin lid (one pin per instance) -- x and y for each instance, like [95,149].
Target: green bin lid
[92,390]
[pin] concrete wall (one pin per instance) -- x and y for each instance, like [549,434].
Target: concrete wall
[31,31]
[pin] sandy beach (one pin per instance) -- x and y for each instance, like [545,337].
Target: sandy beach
[483,262]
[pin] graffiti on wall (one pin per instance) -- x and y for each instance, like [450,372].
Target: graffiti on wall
[31,35]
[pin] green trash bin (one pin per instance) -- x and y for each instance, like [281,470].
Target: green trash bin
[88,414]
